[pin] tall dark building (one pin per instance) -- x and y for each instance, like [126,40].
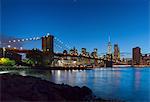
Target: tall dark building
[47,43]
[83,51]
[74,51]
[116,53]
[136,56]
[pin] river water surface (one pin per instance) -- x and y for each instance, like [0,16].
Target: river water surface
[128,84]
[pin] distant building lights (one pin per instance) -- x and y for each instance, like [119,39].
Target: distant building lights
[14,47]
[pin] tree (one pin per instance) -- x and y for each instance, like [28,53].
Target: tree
[7,61]
[35,57]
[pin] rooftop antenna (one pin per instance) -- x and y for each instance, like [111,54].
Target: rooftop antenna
[109,46]
[109,38]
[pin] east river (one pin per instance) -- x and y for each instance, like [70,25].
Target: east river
[127,84]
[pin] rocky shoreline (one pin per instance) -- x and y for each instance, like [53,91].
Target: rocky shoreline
[19,88]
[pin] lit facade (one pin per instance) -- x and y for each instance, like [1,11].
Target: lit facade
[109,47]
[116,56]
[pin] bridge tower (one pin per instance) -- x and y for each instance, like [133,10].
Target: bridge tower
[48,49]
[48,43]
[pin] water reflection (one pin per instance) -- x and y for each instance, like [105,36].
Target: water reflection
[129,84]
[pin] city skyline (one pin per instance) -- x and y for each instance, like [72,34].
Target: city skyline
[75,50]
[80,23]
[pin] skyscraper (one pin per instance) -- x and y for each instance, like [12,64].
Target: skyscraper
[116,53]
[109,47]
[83,51]
[136,56]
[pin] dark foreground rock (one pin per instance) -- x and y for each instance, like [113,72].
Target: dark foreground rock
[19,88]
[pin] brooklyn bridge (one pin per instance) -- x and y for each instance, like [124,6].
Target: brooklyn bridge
[50,54]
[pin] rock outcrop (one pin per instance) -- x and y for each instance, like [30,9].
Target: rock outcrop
[27,88]
[17,88]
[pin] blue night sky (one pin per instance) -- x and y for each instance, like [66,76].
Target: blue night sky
[80,23]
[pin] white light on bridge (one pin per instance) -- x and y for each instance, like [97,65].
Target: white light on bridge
[14,40]
[14,47]
[48,34]
[37,38]
[30,38]
[21,48]
[22,39]
[9,41]
[61,42]
[9,46]
[58,39]
[26,39]
[34,38]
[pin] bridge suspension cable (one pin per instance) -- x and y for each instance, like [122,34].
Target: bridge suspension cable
[60,46]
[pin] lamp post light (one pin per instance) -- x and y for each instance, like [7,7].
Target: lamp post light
[9,46]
